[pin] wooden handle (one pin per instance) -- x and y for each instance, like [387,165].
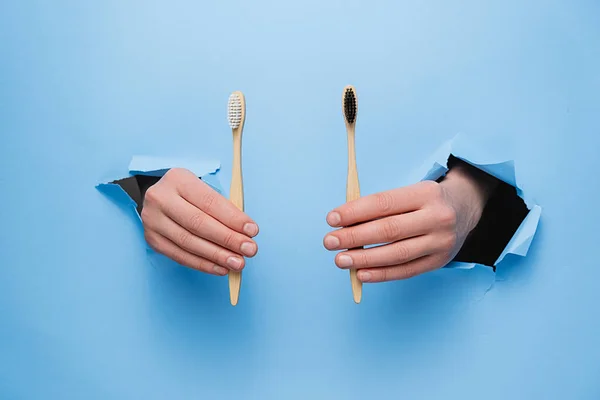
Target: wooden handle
[353,193]
[236,195]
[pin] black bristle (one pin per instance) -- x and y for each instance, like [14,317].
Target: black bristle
[350,106]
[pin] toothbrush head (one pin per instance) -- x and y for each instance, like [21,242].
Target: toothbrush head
[235,110]
[350,104]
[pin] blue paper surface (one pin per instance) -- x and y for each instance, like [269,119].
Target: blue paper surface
[157,166]
[84,85]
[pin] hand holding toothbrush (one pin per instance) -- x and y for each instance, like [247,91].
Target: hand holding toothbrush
[191,223]
[418,228]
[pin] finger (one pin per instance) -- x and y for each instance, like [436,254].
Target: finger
[402,271]
[391,254]
[196,245]
[180,256]
[379,205]
[203,225]
[385,230]
[214,204]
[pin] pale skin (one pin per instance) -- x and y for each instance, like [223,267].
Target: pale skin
[417,229]
[189,222]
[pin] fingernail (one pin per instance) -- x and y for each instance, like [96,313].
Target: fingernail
[364,276]
[248,249]
[219,270]
[331,242]
[333,218]
[251,229]
[234,262]
[344,261]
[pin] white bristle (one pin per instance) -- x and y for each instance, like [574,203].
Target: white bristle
[234,111]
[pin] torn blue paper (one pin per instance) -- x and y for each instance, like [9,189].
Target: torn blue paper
[157,166]
[463,148]
[119,196]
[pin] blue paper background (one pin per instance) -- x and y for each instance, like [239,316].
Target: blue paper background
[86,85]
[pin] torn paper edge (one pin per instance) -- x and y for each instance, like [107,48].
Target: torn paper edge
[465,149]
[207,170]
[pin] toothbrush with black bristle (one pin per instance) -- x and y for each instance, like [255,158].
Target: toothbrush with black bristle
[236,113]
[350,108]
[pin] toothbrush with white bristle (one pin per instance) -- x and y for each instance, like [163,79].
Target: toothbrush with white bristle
[236,113]
[350,109]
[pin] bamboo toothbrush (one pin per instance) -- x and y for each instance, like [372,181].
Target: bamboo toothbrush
[236,113]
[350,108]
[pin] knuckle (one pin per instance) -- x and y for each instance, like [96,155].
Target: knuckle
[402,254]
[151,239]
[208,201]
[433,190]
[389,230]
[431,187]
[184,240]
[449,242]
[217,256]
[442,260]
[385,202]
[144,215]
[229,239]
[446,216]
[364,259]
[437,262]
[384,274]
[348,212]
[180,258]
[197,221]
[236,218]
[350,238]
[188,185]
[410,272]
[174,173]
[445,253]
[152,196]
[221,257]
[200,264]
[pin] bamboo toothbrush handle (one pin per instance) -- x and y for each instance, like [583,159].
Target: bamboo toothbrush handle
[352,187]
[353,193]
[236,195]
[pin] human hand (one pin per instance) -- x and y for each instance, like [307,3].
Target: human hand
[189,222]
[418,228]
